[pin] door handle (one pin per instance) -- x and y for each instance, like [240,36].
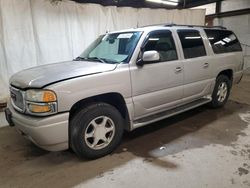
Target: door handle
[178,69]
[206,65]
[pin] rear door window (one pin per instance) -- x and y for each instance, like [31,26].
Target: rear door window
[223,41]
[192,43]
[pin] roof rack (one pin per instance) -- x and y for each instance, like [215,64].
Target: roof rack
[202,26]
[181,25]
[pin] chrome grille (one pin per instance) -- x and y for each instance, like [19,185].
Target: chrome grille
[17,99]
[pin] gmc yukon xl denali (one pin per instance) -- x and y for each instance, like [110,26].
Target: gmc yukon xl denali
[122,81]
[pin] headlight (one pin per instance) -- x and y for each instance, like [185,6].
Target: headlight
[40,96]
[41,102]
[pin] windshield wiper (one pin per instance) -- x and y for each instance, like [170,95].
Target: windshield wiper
[90,58]
[102,60]
[79,59]
[97,58]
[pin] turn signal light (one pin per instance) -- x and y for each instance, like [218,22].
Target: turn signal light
[39,108]
[49,96]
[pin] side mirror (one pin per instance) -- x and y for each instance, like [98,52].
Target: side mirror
[149,57]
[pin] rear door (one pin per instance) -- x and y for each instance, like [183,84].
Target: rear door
[197,69]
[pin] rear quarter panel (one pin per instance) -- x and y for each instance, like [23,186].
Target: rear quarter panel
[223,61]
[233,61]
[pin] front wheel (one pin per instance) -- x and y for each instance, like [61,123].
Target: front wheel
[221,91]
[96,130]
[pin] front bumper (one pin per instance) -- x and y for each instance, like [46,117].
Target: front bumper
[49,133]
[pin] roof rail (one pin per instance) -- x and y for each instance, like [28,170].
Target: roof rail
[202,26]
[152,25]
[181,25]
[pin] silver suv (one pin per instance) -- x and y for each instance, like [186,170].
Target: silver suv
[122,81]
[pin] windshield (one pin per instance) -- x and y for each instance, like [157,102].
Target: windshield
[112,48]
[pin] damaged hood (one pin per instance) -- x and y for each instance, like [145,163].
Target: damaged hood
[41,76]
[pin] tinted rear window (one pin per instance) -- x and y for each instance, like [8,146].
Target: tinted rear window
[223,41]
[192,43]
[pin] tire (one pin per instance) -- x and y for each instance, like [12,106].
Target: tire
[221,91]
[96,131]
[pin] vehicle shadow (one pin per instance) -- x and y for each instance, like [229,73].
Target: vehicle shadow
[152,144]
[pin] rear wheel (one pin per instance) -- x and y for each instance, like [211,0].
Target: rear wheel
[96,130]
[221,91]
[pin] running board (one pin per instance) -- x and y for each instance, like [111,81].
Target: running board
[162,115]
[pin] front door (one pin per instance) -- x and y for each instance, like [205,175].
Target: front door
[158,86]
